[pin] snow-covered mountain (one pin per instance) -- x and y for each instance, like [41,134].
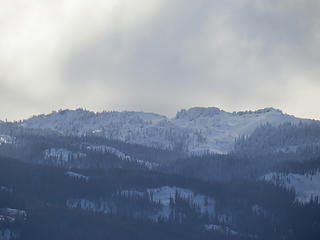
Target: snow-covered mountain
[197,130]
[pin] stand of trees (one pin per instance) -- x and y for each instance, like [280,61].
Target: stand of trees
[252,209]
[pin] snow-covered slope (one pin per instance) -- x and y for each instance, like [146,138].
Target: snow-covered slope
[197,130]
[218,129]
[161,197]
[77,176]
[121,155]
[163,194]
[306,186]
[5,139]
[61,154]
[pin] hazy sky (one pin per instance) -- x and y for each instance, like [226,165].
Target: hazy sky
[159,55]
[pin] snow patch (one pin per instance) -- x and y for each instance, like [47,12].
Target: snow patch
[164,194]
[122,155]
[6,139]
[221,229]
[161,197]
[306,186]
[76,175]
[85,204]
[62,155]
[11,214]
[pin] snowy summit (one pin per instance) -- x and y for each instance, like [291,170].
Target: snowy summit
[197,130]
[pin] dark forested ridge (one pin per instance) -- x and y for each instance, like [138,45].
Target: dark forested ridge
[54,186]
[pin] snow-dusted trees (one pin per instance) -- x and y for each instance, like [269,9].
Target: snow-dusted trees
[302,139]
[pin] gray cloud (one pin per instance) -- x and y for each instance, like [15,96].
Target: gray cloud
[165,55]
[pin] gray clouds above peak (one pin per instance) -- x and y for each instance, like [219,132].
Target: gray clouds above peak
[165,55]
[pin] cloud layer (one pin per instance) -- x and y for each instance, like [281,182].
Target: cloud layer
[159,56]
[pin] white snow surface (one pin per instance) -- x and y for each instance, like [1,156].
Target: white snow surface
[121,155]
[306,186]
[197,130]
[160,195]
[163,195]
[221,229]
[88,205]
[62,155]
[77,175]
[13,212]
[6,139]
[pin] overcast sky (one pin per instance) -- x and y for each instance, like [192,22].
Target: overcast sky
[159,55]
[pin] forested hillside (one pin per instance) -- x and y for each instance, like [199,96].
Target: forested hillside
[87,186]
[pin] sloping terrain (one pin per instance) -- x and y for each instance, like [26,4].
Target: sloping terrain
[204,174]
[40,202]
[197,130]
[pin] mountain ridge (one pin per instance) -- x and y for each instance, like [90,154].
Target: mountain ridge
[195,130]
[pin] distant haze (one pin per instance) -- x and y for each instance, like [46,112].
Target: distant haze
[159,55]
